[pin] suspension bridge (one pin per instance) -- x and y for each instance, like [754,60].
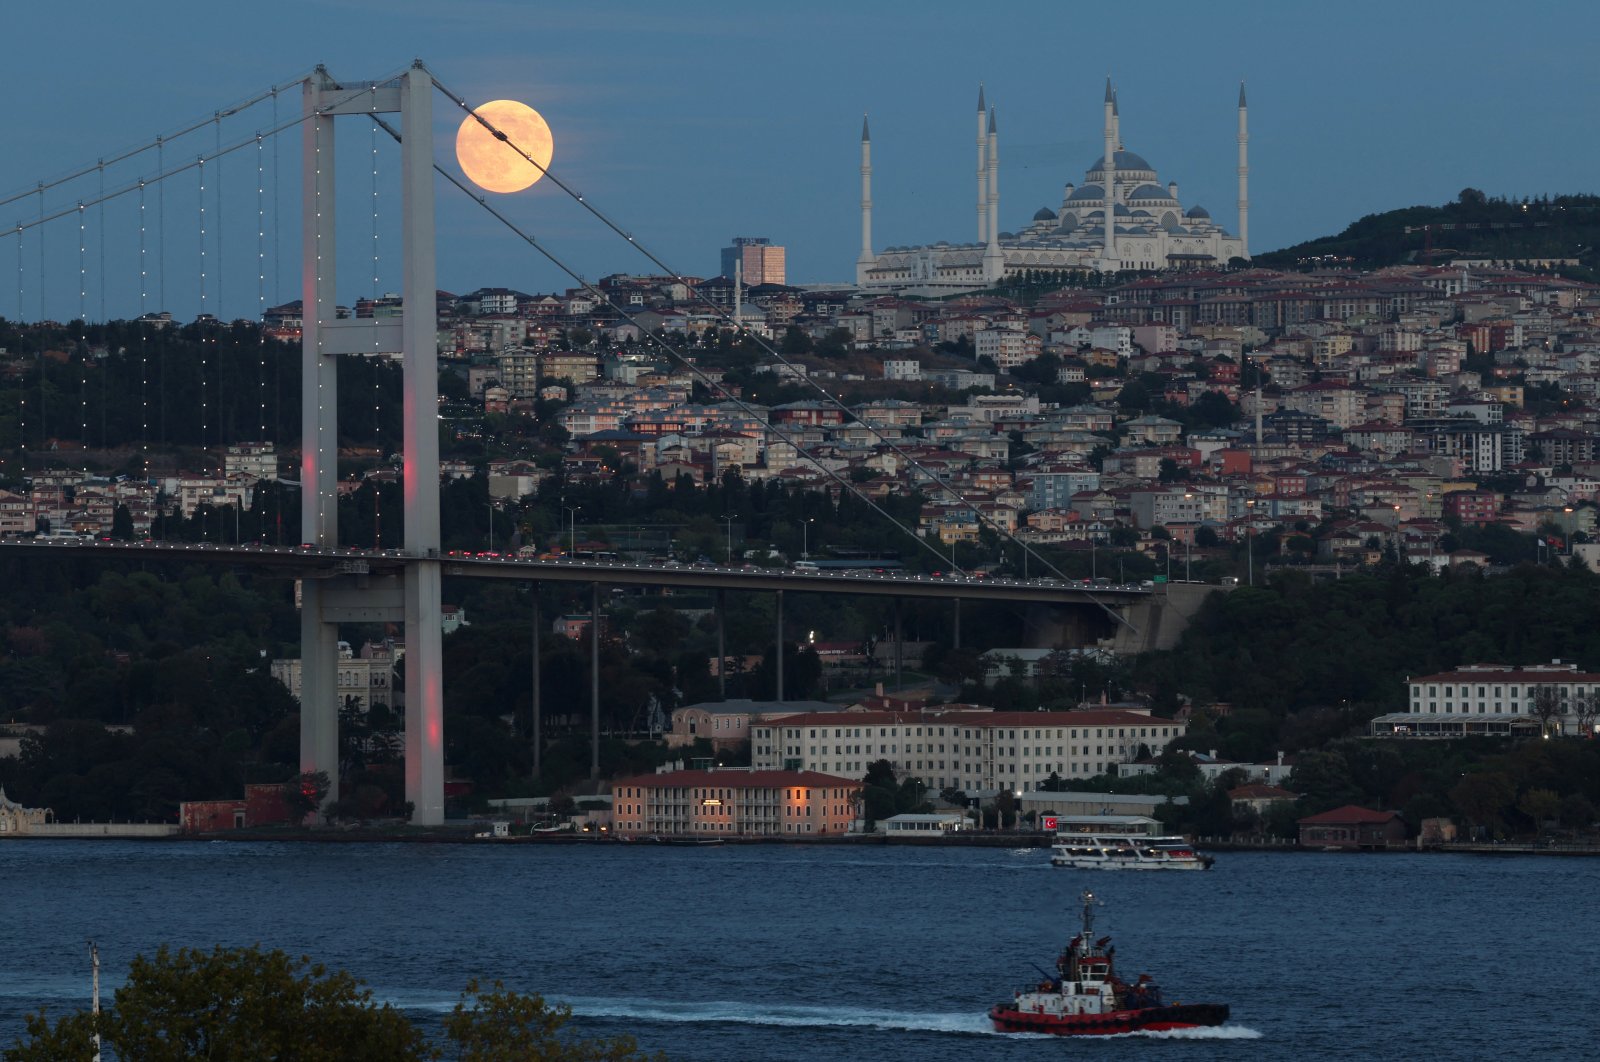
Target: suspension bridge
[244,234]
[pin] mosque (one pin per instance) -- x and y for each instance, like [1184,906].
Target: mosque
[1152,229]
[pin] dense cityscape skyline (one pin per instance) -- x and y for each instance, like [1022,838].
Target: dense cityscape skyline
[776,155]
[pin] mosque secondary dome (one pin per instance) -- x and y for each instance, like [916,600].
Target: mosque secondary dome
[1044,214]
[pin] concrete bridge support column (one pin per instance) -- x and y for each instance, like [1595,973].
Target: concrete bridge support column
[722,646]
[594,682]
[424,693]
[538,715]
[781,646]
[899,656]
[955,637]
[319,688]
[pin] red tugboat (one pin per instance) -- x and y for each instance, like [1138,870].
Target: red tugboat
[1086,998]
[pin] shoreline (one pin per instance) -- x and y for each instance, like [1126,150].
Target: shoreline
[462,835]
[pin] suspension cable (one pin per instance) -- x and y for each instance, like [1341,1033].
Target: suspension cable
[156,143]
[721,313]
[688,363]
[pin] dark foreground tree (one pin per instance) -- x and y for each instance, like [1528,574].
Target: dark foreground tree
[245,1005]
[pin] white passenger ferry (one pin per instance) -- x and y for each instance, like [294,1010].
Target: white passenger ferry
[1121,842]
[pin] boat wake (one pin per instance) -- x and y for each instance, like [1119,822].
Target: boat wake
[723,1012]
[1211,1032]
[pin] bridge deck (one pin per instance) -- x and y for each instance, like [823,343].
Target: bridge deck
[321,562]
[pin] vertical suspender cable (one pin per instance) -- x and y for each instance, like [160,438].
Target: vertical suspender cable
[216,355]
[205,422]
[83,340]
[377,354]
[144,353]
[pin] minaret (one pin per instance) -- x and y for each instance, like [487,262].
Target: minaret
[1244,178]
[738,292]
[1116,119]
[983,171]
[994,259]
[1109,173]
[866,260]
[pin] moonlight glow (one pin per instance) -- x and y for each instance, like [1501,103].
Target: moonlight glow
[495,166]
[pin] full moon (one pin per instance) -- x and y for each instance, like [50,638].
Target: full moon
[495,166]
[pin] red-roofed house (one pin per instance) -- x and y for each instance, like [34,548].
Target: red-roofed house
[1353,827]
[734,802]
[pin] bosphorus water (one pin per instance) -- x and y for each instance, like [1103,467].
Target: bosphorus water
[743,953]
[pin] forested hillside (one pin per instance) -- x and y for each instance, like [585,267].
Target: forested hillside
[1474,226]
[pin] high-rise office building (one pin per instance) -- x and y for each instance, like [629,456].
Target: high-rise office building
[762,261]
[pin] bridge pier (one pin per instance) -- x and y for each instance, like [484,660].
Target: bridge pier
[781,647]
[955,637]
[594,682]
[319,688]
[899,656]
[424,693]
[722,647]
[538,718]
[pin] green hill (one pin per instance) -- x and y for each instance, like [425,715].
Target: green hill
[1475,226]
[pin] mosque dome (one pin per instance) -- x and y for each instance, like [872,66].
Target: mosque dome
[1149,191]
[1126,160]
[1198,212]
[1088,191]
[1044,214]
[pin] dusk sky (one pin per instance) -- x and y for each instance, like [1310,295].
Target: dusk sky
[696,122]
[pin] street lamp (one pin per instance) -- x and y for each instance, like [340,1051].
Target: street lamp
[572,528]
[1249,539]
[805,538]
[729,518]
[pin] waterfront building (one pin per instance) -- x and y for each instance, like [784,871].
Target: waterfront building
[1497,699]
[1353,827]
[16,819]
[733,802]
[726,724]
[963,749]
[1149,227]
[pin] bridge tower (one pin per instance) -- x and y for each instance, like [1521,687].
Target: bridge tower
[354,595]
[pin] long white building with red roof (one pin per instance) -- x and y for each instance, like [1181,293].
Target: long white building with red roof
[1497,700]
[973,751]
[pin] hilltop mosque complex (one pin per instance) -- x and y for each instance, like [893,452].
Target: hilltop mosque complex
[1151,230]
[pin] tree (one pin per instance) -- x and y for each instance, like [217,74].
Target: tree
[122,523]
[235,1004]
[504,1026]
[1540,805]
[304,793]
[244,1004]
[1482,797]
[1547,708]
[1585,706]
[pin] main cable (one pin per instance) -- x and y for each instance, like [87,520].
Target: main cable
[671,350]
[722,314]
